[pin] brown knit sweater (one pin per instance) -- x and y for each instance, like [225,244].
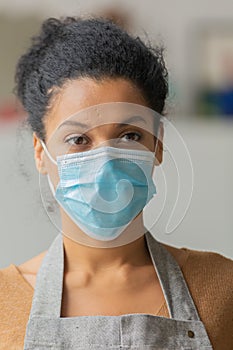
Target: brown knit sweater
[209,277]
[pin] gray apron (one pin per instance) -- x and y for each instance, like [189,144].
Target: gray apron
[47,330]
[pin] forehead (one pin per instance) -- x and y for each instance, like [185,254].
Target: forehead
[111,116]
[107,119]
[82,93]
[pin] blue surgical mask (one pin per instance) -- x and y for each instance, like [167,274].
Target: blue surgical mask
[104,189]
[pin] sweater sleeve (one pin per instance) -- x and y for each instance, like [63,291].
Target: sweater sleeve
[15,305]
[209,276]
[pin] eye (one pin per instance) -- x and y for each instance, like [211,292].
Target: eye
[77,140]
[132,136]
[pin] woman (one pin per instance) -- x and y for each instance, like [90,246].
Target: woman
[114,287]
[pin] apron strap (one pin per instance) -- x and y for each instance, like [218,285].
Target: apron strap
[179,301]
[49,282]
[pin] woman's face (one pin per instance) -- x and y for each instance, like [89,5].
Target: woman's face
[82,93]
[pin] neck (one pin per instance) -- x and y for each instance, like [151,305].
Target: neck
[91,258]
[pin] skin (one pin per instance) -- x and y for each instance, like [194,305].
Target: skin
[97,280]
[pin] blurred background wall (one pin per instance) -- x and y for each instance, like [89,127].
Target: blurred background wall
[198,37]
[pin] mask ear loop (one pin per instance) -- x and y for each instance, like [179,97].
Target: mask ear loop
[47,152]
[51,158]
[158,136]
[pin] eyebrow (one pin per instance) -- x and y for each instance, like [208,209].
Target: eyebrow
[131,119]
[76,123]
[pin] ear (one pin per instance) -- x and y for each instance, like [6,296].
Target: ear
[159,148]
[39,154]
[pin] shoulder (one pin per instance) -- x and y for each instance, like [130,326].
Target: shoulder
[12,287]
[15,304]
[15,293]
[212,267]
[7,279]
[203,264]
[204,270]
[209,277]
[21,276]
[32,266]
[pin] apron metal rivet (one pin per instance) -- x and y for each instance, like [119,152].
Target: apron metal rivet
[191,334]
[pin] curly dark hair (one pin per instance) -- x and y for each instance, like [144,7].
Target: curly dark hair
[96,47]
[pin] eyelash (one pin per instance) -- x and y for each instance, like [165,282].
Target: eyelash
[81,136]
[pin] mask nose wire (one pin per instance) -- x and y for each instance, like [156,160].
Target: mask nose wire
[47,152]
